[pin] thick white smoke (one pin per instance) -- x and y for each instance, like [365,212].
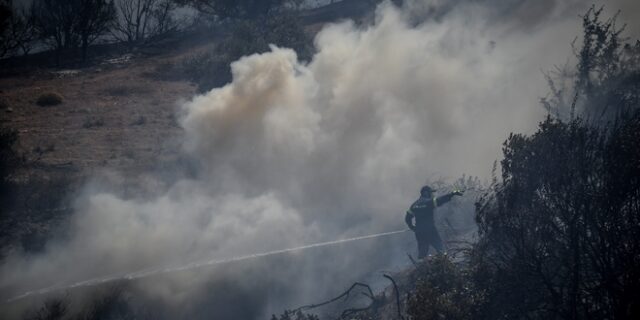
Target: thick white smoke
[292,153]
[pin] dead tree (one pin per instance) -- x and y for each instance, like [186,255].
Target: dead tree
[66,25]
[376,301]
[134,20]
[397,292]
[95,19]
[17,30]
[140,20]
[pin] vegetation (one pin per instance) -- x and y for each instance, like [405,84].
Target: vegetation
[110,304]
[140,20]
[211,69]
[49,99]
[297,315]
[443,291]
[558,230]
[18,30]
[92,122]
[604,83]
[67,25]
[69,28]
[558,235]
[8,161]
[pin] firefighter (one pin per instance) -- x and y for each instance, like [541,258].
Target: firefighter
[422,211]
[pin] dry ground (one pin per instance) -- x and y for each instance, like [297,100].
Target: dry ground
[116,115]
[119,115]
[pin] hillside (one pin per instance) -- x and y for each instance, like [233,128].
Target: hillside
[119,114]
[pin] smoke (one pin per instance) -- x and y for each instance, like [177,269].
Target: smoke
[290,154]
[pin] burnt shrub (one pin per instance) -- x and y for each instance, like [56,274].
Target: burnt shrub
[559,228]
[93,122]
[559,234]
[52,309]
[443,290]
[9,160]
[295,315]
[49,99]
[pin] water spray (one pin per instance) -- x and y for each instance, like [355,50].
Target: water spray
[194,265]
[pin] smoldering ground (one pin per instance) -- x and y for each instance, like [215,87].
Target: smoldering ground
[293,153]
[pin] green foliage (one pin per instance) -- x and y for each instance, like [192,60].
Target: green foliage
[49,99]
[211,69]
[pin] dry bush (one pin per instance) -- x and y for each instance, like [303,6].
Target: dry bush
[443,290]
[93,122]
[49,99]
[52,309]
[140,120]
[9,160]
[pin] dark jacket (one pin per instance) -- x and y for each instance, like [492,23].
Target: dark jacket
[422,210]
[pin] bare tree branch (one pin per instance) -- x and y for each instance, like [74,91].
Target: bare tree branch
[397,292]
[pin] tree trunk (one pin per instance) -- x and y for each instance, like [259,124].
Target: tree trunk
[85,46]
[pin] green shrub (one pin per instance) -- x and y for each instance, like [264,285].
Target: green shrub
[49,99]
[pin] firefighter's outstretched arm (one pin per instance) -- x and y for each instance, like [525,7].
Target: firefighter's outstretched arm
[446,198]
[408,218]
